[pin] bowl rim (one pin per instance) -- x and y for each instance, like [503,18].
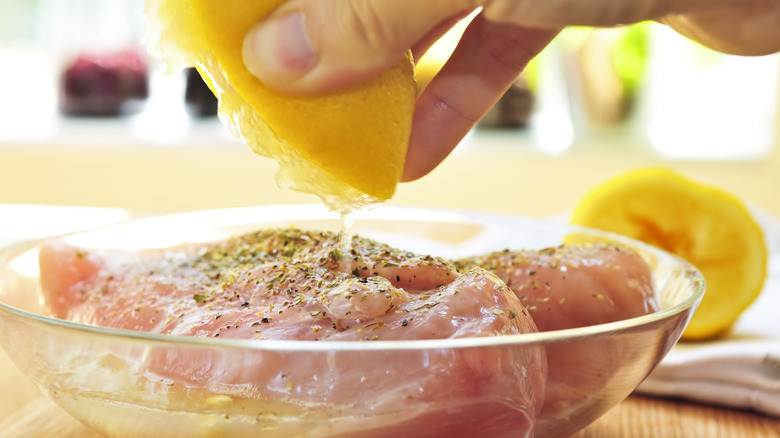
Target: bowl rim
[12,251]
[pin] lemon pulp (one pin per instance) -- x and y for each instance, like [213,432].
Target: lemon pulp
[347,147]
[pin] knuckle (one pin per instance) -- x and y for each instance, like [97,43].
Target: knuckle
[575,12]
[512,11]
[508,46]
[369,26]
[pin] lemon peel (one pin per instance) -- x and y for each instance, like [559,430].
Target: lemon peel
[348,147]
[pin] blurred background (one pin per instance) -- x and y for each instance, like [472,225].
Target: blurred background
[87,118]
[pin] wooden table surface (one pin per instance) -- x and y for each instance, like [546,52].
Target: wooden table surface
[26,413]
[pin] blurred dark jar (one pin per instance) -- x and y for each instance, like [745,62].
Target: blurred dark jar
[104,84]
[200,100]
[102,64]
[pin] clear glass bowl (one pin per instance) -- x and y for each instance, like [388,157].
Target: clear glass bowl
[98,374]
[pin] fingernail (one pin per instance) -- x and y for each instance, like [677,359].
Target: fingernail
[279,48]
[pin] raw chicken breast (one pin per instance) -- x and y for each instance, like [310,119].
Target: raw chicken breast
[576,286]
[297,285]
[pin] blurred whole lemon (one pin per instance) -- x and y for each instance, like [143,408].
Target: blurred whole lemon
[348,147]
[701,223]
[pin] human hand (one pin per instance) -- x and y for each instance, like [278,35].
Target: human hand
[313,46]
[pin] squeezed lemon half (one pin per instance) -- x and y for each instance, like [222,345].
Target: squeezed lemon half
[348,147]
[701,223]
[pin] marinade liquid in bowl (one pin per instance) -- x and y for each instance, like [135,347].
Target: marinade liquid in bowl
[126,383]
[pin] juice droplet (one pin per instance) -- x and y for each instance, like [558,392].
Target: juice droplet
[345,236]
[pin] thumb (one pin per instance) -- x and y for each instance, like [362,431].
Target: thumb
[311,46]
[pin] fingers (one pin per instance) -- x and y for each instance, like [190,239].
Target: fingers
[554,13]
[310,46]
[488,59]
[568,12]
[749,28]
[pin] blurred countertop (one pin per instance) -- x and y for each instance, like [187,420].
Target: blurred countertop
[490,171]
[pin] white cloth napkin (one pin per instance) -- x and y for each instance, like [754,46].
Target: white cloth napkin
[741,370]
